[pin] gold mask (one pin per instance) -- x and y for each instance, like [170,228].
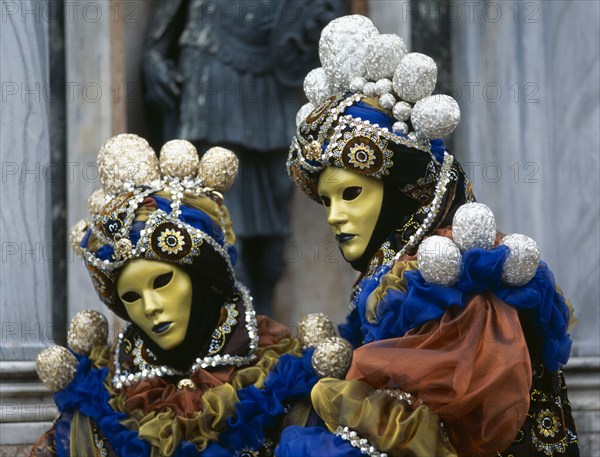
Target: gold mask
[353,203]
[158,298]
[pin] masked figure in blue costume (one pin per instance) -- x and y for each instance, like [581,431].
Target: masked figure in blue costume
[195,372]
[459,331]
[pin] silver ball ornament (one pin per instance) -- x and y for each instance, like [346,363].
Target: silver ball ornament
[357,84]
[332,357]
[387,101]
[303,113]
[474,226]
[383,86]
[435,116]
[402,111]
[56,367]
[439,260]
[87,329]
[415,77]
[316,86]
[400,128]
[314,328]
[384,53]
[523,259]
[343,48]
[369,89]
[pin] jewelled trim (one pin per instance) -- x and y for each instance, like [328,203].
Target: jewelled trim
[356,441]
[102,451]
[398,395]
[147,370]
[433,209]
[219,336]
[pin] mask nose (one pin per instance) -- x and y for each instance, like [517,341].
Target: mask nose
[336,215]
[152,305]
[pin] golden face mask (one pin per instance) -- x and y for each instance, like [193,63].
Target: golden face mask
[353,202]
[158,298]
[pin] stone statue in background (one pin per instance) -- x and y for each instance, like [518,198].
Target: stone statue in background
[229,73]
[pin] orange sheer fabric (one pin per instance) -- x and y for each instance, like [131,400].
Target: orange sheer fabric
[472,368]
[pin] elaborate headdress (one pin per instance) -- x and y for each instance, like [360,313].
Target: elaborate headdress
[169,209]
[371,112]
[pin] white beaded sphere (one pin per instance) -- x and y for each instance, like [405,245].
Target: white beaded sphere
[384,53]
[87,329]
[402,111]
[523,260]
[314,328]
[96,201]
[474,226]
[343,48]
[218,168]
[179,159]
[303,113]
[56,367]
[332,357]
[415,77]
[357,84]
[316,86]
[126,159]
[387,101]
[400,128]
[76,235]
[384,86]
[435,116]
[369,89]
[439,260]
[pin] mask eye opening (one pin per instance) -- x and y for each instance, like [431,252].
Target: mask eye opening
[351,193]
[130,297]
[162,280]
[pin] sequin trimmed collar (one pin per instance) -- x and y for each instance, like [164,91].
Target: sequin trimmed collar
[231,344]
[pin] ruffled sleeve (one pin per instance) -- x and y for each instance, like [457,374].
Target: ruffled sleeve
[472,368]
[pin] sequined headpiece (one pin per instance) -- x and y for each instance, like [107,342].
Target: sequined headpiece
[170,210]
[371,111]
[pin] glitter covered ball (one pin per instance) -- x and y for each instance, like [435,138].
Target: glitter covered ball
[314,328]
[332,357]
[218,169]
[179,159]
[415,77]
[387,101]
[474,226]
[357,84]
[384,53]
[56,367]
[96,201]
[126,159]
[435,116]
[316,86]
[439,260]
[343,48]
[384,86]
[370,89]
[400,128]
[303,113]
[523,260]
[76,235]
[402,111]
[87,329]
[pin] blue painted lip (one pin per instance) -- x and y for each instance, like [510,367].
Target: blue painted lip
[162,327]
[344,237]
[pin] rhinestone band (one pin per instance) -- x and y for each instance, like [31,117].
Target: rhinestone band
[356,441]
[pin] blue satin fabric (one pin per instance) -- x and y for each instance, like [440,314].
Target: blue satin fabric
[87,394]
[481,271]
[258,411]
[313,442]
